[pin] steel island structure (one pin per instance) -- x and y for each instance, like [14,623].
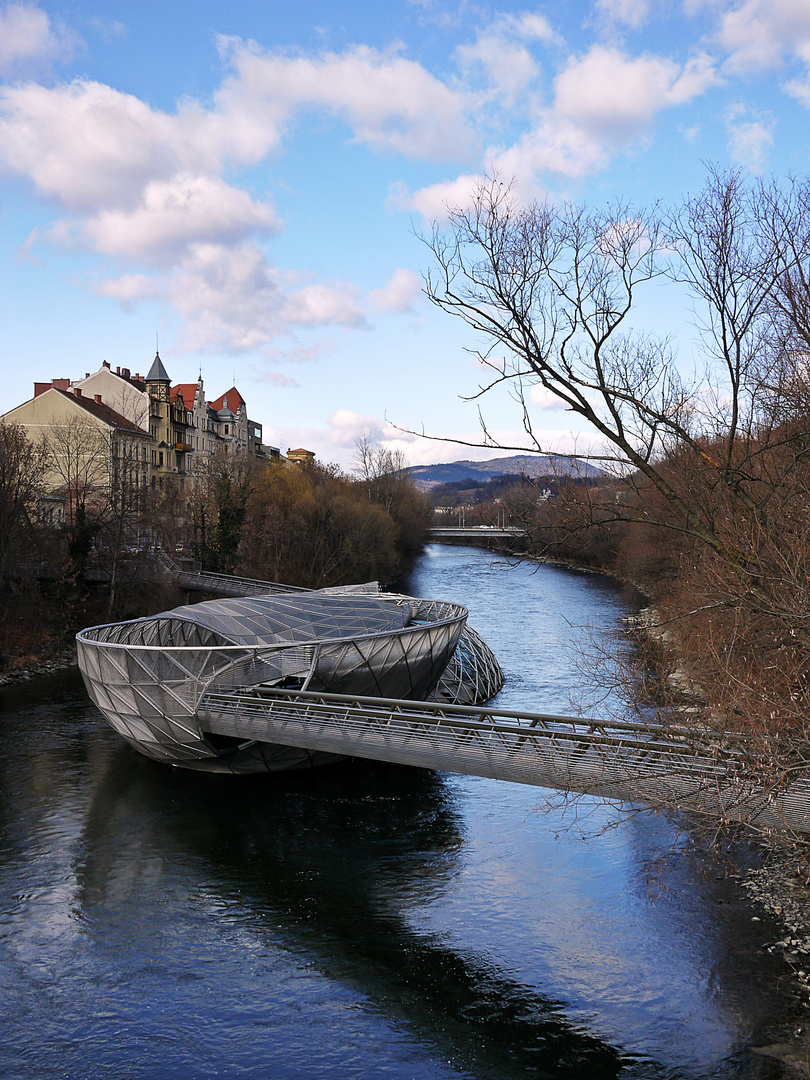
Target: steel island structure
[155,679]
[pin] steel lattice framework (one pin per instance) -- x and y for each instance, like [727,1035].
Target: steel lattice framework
[149,675]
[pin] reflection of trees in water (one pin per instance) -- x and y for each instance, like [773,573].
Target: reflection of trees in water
[336,859]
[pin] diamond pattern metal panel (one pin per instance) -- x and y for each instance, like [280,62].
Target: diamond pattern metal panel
[147,676]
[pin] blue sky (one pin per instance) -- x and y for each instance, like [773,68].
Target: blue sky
[249,181]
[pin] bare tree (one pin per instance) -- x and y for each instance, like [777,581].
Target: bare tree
[552,287]
[379,469]
[714,468]
[219,507]
[22,467]
[100,469]
[79,466]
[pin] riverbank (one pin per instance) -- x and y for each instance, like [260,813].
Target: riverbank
[780,889]
[59,662]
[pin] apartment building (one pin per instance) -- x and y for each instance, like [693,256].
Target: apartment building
[172,431]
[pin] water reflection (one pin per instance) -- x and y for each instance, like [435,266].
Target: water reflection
[335,866]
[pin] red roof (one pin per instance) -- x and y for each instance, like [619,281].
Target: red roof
[235,399]
[103,412]
[188,390]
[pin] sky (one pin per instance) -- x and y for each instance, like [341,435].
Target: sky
[247,185]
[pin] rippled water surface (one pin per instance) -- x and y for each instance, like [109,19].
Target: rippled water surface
[363,920]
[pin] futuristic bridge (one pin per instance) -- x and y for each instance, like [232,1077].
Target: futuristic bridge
[286,680]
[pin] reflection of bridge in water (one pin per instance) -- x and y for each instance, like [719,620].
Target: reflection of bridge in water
[205,687]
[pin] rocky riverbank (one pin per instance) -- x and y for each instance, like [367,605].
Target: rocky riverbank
[61,662]
[781,888]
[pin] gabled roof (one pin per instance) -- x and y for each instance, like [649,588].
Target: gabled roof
[138,381]
[235,399]
[188,391]
[157,372]
[102,412]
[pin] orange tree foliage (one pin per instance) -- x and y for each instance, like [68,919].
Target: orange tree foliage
[314,527]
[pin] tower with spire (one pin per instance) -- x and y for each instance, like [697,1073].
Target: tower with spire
[157,381]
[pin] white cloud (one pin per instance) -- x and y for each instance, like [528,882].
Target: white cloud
[799,89]
[749,139]
[90,146]
[604,102]
[399,294]
[501,51]
[392,104]
[28,40]
[759,34]
[174,214]
[432,202]
[510,67]
[631,13]
[320,305]
[337,442]
[109,29]
[555,145]
[146,187]
[129,288]
[275,378]
[544,399]
[231,298]
[615,97]
[346,427]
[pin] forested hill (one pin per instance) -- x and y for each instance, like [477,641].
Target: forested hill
[430,476]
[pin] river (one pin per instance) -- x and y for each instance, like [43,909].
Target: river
[365,920]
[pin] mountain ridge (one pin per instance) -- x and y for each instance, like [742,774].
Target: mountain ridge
[532,465]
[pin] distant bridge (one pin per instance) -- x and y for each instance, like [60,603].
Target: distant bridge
[709,772]
[476,533]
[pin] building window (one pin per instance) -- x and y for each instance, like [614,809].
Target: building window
[160,457]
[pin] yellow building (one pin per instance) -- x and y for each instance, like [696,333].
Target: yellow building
[171,428]
[94,453]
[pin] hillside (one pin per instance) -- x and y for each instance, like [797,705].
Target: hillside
[431,476]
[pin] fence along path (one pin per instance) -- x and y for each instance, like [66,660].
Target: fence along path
[707,772]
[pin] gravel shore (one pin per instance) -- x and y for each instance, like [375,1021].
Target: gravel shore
[46,667]
[780,888]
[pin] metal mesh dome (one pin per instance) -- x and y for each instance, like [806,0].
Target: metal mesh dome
[473,675]
[148,676]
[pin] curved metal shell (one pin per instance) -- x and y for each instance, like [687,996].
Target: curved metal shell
[473,675]
[149,676]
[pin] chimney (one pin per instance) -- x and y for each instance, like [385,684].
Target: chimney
[125,372]
[41,387]
[77,391]
[87,374]
[98,398]
[117,370]
[105,363]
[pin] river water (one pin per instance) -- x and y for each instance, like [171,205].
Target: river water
[365,920]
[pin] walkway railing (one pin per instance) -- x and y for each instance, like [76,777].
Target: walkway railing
[233,585]
[705,772]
